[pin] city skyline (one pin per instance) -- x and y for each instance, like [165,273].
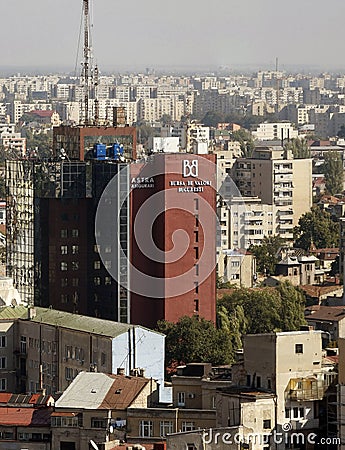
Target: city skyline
[230,35]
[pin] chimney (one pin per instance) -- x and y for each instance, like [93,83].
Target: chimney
[31,313]
[142,372]
[120,371]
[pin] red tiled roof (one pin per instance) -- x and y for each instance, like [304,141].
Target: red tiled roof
[25,417]
[326,313]
[4,397]
[40,113]
[318,291]
[123,391]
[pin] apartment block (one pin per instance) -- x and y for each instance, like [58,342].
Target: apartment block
[277,179]
[46,349]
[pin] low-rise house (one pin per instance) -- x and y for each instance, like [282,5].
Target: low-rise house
[297,270]
[329,319]
[25,421]
[94,409]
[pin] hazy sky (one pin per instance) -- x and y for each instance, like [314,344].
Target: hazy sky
[154,33]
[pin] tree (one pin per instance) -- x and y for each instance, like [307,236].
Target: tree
[264,310]
[299,147]
[292,306]
[333,171]
[212,119]
[166,119]
[317,227]
[41,142]
[246,142]
[195,340]
[144,132]
[267,253]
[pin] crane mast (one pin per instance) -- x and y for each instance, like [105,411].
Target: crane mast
[86,62]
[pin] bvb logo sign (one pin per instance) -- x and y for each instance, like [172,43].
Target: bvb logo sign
[186,188]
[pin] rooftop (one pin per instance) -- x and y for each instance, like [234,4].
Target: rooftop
[90,390]
[67,320]
[325,313]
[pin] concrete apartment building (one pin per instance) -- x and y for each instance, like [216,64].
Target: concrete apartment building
[274,131]
[277,179]
[46,348]
[290,366]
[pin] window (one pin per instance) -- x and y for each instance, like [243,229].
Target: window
[2,341]
[165,427]
[107,265]
[266,424]
[64,298]
[295,412]
[2,362]
[64,282]
[64,233]
[75,249]
[3,384]
[196,269]
[258,382]
[75,265]
[145,428]
[75,282]
[103,359]
[98,422]
[97,281]
[298,348]
[75,232]
[107,280]
[22,344]
[97,265]
[69,374]
[287,413]
[63,249]
[63,266]
[196,305]
[188,426]
[181,398]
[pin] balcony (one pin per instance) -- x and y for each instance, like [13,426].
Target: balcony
[305,389]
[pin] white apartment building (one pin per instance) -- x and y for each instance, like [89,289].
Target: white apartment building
[275,131]
[277,179]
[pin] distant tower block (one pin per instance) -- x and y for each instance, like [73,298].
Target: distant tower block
[119,116]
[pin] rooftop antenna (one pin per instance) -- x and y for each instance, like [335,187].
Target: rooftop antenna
[277,81]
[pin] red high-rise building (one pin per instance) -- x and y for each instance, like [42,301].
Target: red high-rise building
[173,227]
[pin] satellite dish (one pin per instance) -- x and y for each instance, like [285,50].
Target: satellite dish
[94,445]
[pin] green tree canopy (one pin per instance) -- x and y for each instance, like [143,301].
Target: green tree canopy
[267,253]
[212,119]
[333,171]
[246,141]
[317,227]
[265,310]
[42,143]
[194,340]
[299,147]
